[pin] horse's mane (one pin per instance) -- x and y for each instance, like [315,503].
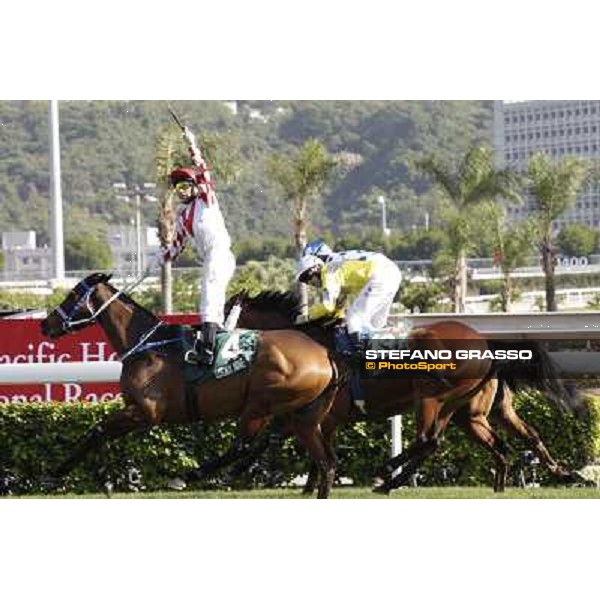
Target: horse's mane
[289,304]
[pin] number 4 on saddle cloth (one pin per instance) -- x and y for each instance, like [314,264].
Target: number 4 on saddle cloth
[235,351]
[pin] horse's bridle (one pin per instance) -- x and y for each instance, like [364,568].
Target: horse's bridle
[67,322]
[84,298]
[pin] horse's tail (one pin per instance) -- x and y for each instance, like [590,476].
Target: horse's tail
[539,373]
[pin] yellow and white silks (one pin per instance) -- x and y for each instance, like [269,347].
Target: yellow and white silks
[365,283]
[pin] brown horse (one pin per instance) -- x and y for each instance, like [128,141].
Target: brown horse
[388,397]
[291,377]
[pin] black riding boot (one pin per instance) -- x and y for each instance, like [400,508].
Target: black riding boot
[204,345]
[209,337]
[349,345]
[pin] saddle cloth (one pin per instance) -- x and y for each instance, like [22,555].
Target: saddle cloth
[235,352]
[390,338]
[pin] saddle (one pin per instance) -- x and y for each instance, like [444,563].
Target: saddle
[235,352]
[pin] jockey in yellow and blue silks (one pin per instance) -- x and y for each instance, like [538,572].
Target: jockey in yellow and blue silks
[358,284]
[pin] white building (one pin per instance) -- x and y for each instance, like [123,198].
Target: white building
[22,258]
[557,127]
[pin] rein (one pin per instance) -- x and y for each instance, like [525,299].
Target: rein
[93,317]
[140,346]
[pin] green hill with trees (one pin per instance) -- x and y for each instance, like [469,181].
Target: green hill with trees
[103,142]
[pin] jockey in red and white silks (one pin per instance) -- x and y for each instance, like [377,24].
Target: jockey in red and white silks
[201,219]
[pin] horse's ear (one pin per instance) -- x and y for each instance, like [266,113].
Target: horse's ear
[105,277]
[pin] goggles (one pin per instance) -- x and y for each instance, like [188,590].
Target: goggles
[184,186]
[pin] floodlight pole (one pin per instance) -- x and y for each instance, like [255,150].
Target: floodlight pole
[56,212]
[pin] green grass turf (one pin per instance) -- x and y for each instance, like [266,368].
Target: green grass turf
[354,493]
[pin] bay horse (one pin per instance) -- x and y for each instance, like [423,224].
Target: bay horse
[385,397]
[291,377]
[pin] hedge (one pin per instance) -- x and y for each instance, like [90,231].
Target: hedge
[36,437]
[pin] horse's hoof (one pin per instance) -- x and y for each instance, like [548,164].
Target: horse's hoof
[577,478]
[382,489]
[176,484]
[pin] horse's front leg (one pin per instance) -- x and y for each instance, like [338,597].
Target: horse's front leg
[129,419]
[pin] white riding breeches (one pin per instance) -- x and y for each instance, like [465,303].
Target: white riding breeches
[213,287]
[370,311]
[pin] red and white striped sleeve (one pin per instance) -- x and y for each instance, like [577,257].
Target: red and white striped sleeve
[206,186]
[204,180]
[183,231]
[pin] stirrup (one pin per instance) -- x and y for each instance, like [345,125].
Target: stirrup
[192,357]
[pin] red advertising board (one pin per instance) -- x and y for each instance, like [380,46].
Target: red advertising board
[21,341]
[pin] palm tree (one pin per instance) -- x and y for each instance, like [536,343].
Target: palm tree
[553,187]
[166,151]
[513,245]
[301,177]
[474,180]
